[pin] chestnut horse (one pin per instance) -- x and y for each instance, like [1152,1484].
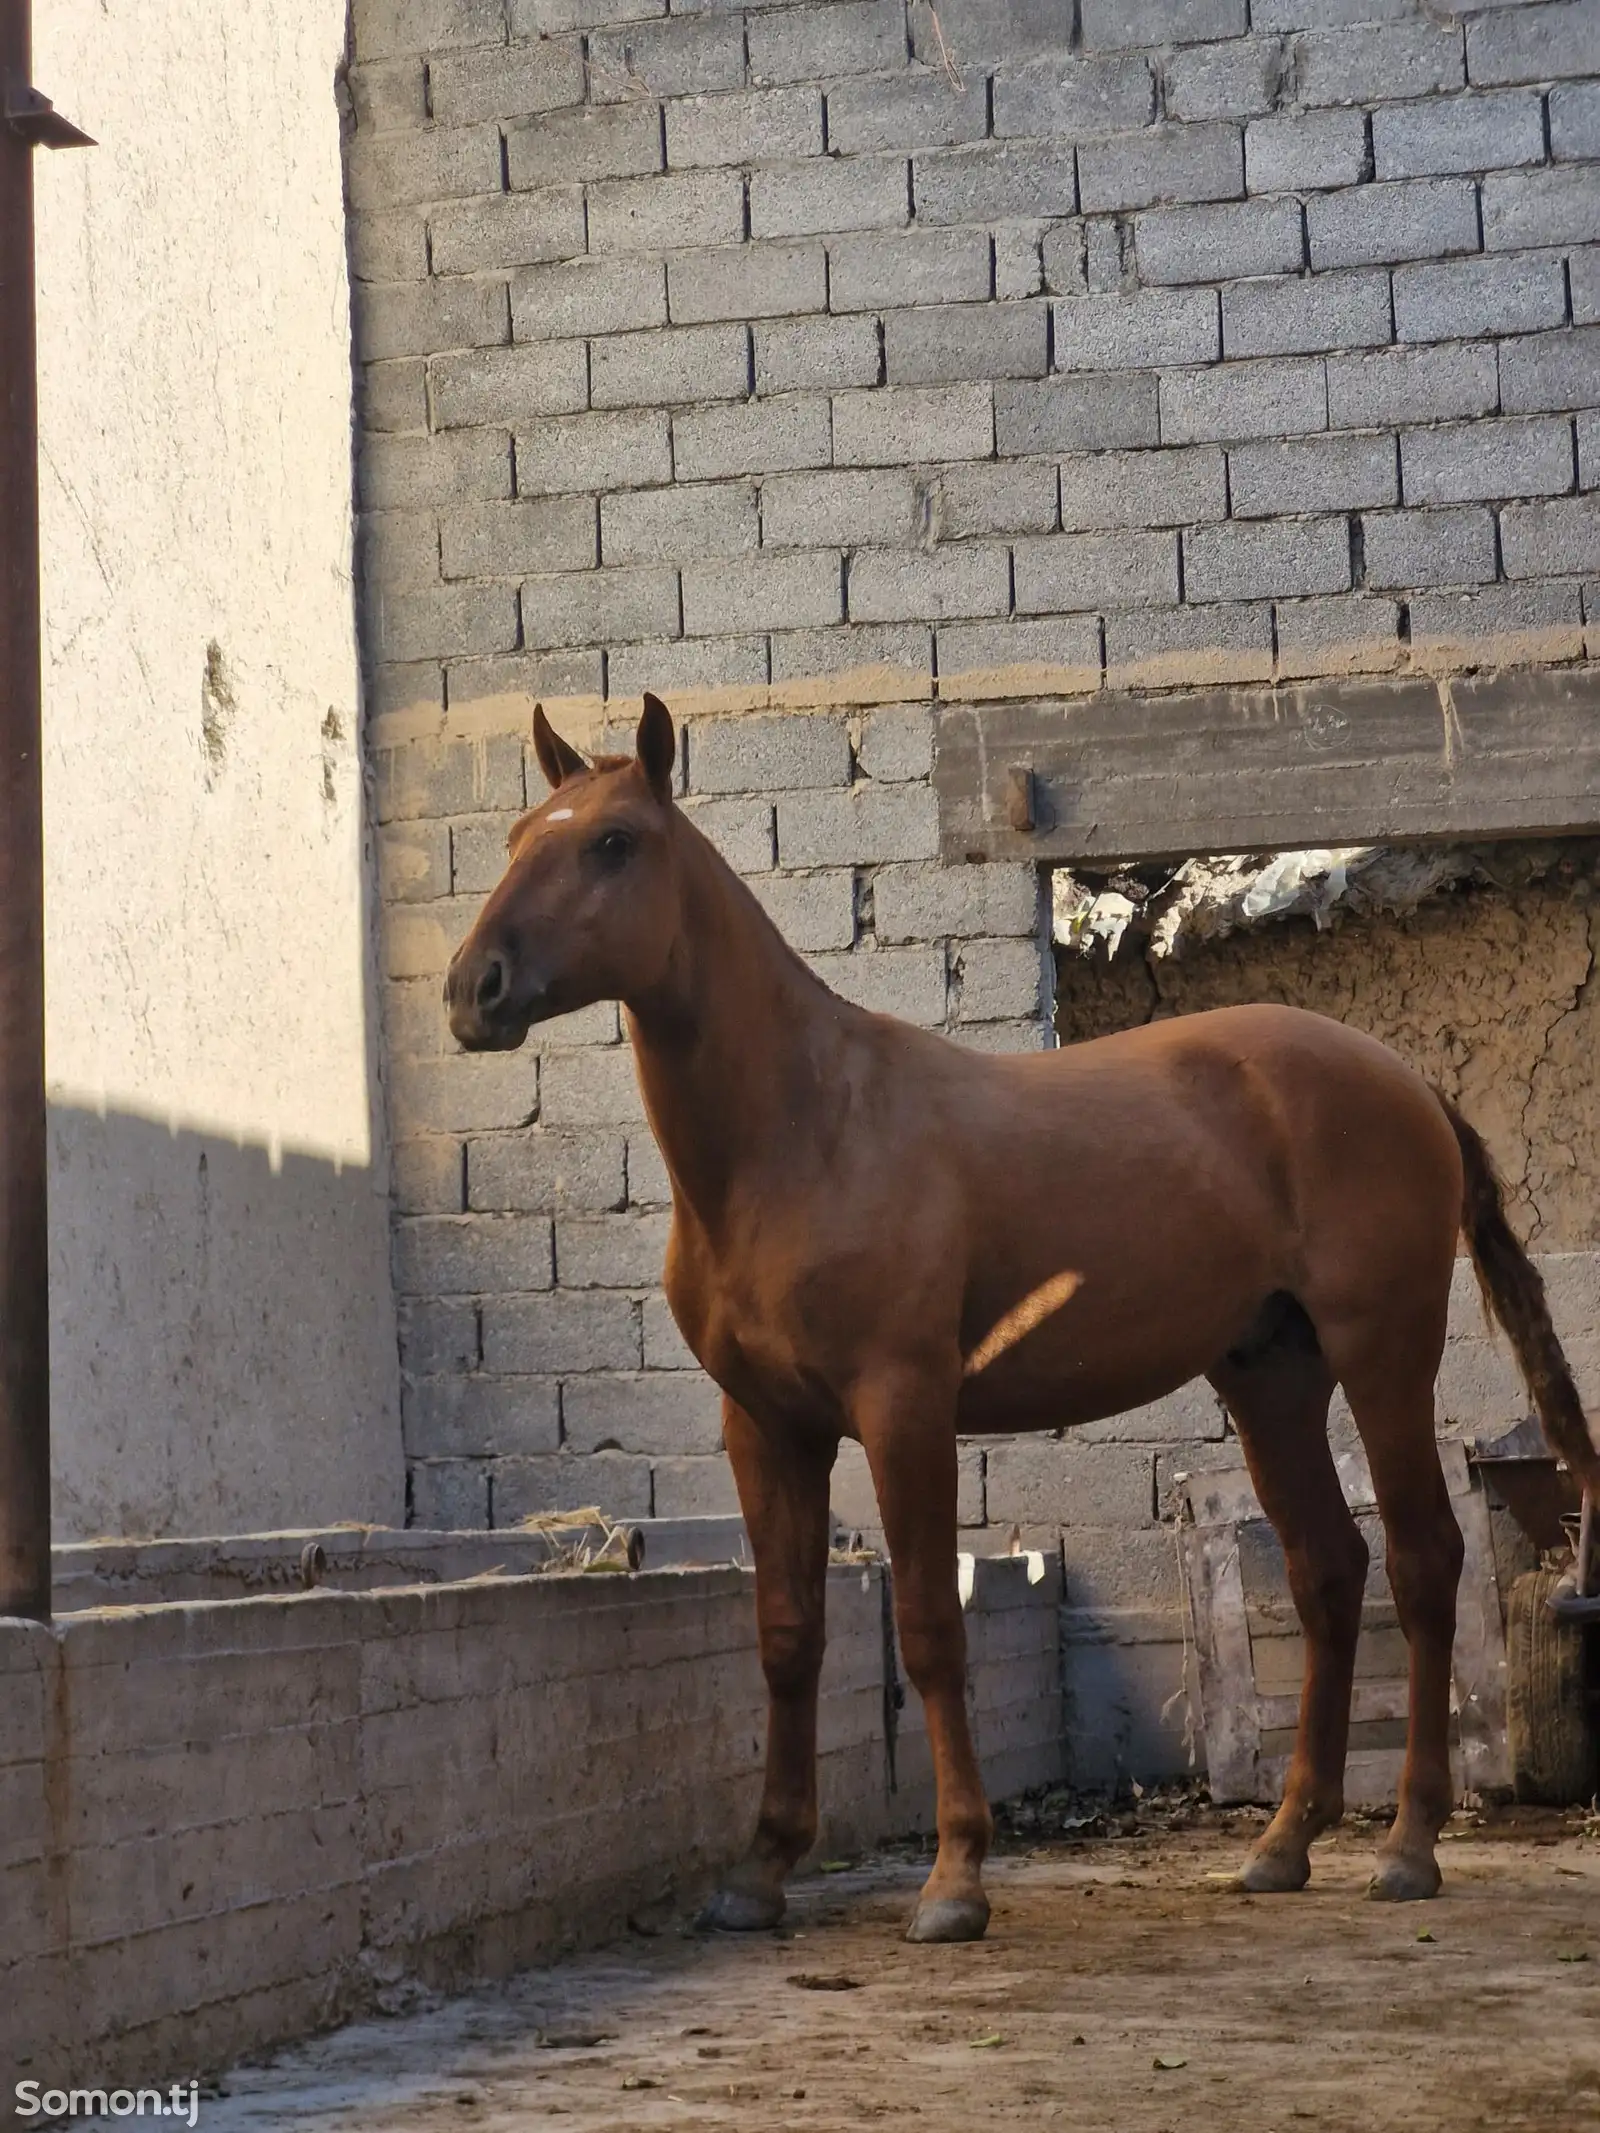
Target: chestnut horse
[877,1234]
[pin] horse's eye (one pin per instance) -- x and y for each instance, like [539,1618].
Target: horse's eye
[614,848]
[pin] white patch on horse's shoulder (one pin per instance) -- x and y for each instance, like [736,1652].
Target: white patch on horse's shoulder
[559,814]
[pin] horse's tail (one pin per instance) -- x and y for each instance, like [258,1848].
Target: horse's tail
[1513,1291]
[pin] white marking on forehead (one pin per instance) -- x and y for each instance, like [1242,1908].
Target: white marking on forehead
[559,814]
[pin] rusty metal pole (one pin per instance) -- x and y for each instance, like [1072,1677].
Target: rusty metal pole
[26,120]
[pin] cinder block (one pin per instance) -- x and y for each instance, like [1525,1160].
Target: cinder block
[758,125]
[1470,297]
[992,181]
[989,496]
[1588,428]
[613,1252]
[983,660]
[1298,315]
[741,830]
[1138,489]
[1217,81]
[588,607]
[618,1486]
[439,622]
[910,110]
[897,746]
[624,450]
[1198,645]
[747,281]
[937,344]
[763,755]
[506,385]
[1377,63]
[687,55]
[1432,548]
[449,1495]
[762,592]
[1075,414]
[1575,121]
[852,665]
[500,82]
[432,778]
[1551,540]
[813,912]
[1530,44]
[817,354]
[800,43]
[507,230]
[1459,133]
[588,296]
[388,171]
[598,141]
[1424,218]
[893,585]
[416,318]
[382,32]
[908,425]
[1239,400]
[765,437]
[697,207]
[734,667]
[408,473]
[1136,331]
[415,688]
[388,95]
[1267,561]
[922,903]
[418,941]
[681,524]
[908,983]
[680,364]
[1110,24]
[998,981]
[469,1255]
[398,548]
[866,826]
[828,194]
[1068,573]
[1583,274]
[1048,1481]
[1327,14]
[1411,385]
[1552,370]
[1463,462]
[549,1171]
[1503,625]
[480,1417]
[428,1176]
[590,1088]
[676,1412]
[908,267]
[1355,635]
[1018,266]
[388,247]
[1306,151]
[1075,98]
[437,1336]
[1183,244]
[843,509]
[648,1182]
[664,1346]
[695,1488]
[570,1330]
[1329,473]
[1203,162]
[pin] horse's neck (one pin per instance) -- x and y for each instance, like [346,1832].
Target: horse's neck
[732,1046]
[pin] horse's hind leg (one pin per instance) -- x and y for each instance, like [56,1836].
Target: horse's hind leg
[1278,1394]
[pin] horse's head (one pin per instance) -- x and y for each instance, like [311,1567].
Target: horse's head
[587,907]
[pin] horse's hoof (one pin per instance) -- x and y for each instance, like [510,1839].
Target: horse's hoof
[1402,1880]
[733,1910]
[950,1918]
[1273,1874]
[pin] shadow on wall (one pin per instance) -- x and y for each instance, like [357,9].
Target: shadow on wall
[222,1335]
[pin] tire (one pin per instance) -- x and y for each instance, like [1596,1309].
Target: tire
[1548,1722]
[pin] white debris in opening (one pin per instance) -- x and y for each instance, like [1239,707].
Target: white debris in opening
[1206,899]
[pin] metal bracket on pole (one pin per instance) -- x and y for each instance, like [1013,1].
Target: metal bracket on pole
[30,114]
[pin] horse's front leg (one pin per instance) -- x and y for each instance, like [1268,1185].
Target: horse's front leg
[783,1489]
[906,1420]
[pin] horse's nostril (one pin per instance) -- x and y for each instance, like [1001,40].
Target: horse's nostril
[492,984]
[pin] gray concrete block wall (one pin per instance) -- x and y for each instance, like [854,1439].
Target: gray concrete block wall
[761,357]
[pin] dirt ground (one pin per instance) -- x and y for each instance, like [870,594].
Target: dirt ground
[1123,1989]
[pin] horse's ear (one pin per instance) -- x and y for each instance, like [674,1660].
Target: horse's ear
[658,746]
[557,759]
